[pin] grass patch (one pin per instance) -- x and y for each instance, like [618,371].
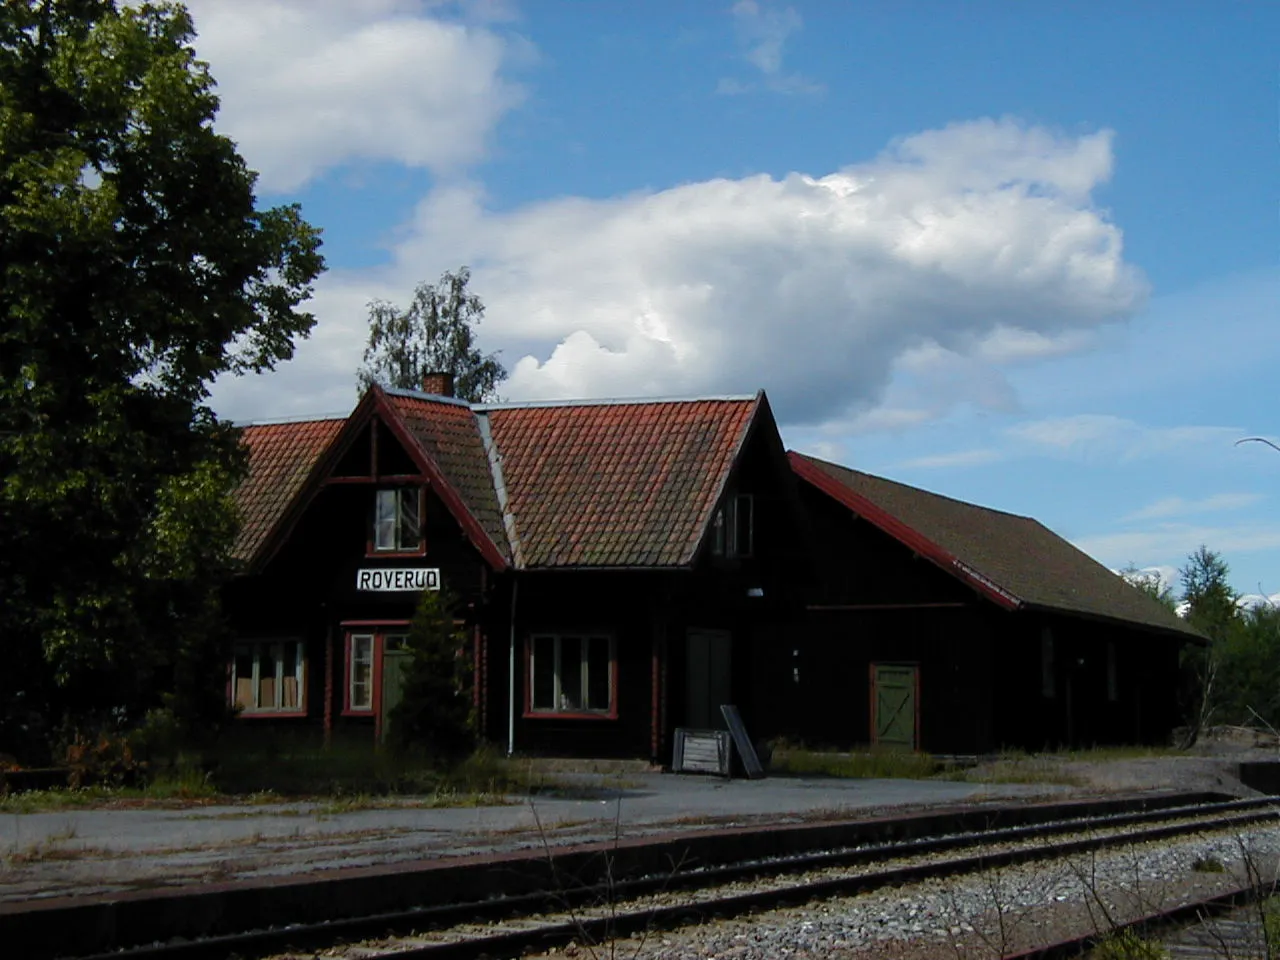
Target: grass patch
[1018,769]
[355,772]
[1104,754]
[348,777]
[798,761]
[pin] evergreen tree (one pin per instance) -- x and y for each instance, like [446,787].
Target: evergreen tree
[435,712]
[1211,608]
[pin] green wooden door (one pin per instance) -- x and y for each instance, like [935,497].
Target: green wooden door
[394,663]
[893,705]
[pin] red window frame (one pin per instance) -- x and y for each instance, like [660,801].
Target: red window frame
[614,693]
[370,550]
[379,630]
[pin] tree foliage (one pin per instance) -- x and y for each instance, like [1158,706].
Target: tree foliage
[1152,584]
[1249,669]
[436,334]
[1207,593]
[136,269]
[435,713]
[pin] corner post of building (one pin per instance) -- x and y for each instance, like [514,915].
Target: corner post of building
[328,686]
[511,673]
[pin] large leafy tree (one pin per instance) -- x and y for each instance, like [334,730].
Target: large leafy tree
[135,268]
[436,334]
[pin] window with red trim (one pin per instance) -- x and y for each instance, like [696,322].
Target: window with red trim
[397,520]
[572,674]
[364,650]
[268,676]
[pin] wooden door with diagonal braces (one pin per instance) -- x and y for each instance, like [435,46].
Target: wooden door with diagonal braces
[895,691]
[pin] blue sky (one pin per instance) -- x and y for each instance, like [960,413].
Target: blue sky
[1025,255]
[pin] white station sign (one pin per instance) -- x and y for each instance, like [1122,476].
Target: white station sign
[399,580]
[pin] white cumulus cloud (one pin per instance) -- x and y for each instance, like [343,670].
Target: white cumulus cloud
[309,85]
[1103,436]
[812,286]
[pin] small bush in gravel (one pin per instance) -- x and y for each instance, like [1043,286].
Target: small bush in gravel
[1208,864]
[1127,945]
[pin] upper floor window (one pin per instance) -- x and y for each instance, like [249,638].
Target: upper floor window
[733,528]
[397,519]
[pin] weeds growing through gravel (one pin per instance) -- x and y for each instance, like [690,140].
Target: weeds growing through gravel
[1128,945]
[1208,863]
[606,944]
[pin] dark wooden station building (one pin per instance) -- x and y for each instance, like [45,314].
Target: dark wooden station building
[973,629]
[625,567]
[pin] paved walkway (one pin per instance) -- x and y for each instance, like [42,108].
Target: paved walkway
[74,852]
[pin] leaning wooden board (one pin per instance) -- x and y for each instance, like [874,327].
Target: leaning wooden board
[746,750]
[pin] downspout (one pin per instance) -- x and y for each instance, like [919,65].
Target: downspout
[511,674]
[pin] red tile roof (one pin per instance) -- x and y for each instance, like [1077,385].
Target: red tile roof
[619,484]
[1015,560]
[613,484]
[447,432]
[281,457]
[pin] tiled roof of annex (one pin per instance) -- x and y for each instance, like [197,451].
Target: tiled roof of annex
[281,457]
[1018,555]
[615,483]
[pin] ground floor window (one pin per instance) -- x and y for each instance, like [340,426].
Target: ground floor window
[364,653]
[267,677]
[572,673]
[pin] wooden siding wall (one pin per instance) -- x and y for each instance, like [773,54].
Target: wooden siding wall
[616,605]
[308,588]
[1080,713]
[979,664]
[857,563]
[830,703]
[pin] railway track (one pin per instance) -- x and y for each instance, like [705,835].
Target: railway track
[607,906]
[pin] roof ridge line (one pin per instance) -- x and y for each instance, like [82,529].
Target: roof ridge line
[609,401]
[300,418]
[422,395]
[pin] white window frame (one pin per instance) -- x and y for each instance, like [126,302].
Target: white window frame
[396,542]
[272,652]
[559,706]
[353,640]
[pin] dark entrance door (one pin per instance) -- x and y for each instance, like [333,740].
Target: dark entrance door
[707,678]
[893,704]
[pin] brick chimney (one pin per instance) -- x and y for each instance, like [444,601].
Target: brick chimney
[439,383]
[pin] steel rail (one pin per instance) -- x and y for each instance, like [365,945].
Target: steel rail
[1220,816]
